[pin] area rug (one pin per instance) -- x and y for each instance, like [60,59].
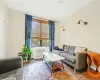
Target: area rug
[38,70]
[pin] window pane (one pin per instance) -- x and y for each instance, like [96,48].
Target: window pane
[45,30]
[35,29]
[35,42]
[45,42]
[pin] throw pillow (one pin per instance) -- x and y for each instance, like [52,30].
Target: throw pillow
[74,54]
[60,49]
[55,47]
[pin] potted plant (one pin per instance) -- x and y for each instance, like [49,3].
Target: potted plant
[25,54]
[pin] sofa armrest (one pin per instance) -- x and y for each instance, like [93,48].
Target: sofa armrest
[7,65]
[81,60]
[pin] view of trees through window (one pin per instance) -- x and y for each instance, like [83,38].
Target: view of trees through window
[40,33]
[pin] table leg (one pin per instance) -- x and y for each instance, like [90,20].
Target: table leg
[62,64]
[51,68]
[43,58]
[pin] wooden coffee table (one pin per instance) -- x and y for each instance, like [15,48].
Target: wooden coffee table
[53,60]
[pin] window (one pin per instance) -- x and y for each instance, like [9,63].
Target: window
[40,33]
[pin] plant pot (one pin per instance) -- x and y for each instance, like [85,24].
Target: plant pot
[25,61]
[29,57]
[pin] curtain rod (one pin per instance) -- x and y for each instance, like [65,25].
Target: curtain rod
[41,18]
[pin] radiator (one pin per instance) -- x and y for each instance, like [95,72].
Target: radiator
[37,52]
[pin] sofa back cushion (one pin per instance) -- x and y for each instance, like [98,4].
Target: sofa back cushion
[80,49]
[7,65]
[66,48]
[71,49]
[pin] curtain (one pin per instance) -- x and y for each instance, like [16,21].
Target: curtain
[28,30]
[51,34]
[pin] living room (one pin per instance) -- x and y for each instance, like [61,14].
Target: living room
[75,29]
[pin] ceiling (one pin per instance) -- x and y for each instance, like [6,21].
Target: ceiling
[48,9]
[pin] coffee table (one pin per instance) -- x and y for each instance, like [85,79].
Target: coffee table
[53,60]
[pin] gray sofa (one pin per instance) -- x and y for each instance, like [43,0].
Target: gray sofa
[75,56]
[11,68]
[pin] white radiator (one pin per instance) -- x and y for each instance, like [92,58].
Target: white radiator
[37,52]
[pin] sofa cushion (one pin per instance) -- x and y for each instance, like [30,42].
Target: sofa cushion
[71,49]
[18,74]
[8,74]
[10,64]
[69,57]
[57,51]
[66,48]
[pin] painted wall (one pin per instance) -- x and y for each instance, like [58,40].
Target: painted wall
[16,33]
[80,34]
[3,28]
[57,34]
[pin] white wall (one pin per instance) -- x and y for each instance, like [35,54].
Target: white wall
[3,27]
[6,24]
[57,34]
[80,34]
[2,45]
[16,33]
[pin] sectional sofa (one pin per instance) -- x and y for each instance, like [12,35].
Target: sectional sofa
[75,56]
[11,69]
